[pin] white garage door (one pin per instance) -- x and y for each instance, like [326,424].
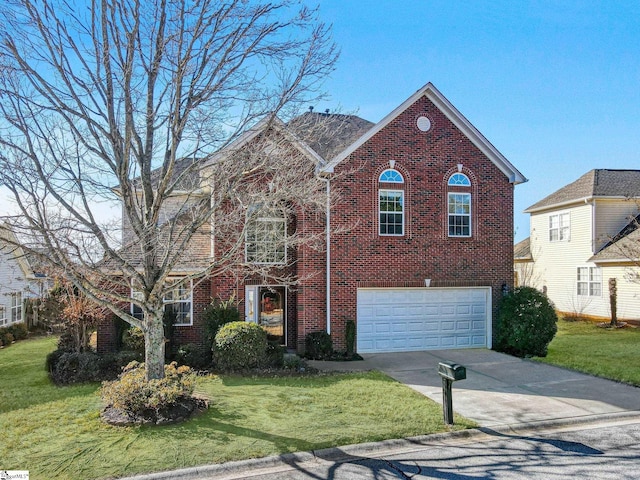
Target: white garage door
[406,319]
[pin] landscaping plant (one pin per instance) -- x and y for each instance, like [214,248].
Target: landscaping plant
[240,346]
[527,322]
[318,345]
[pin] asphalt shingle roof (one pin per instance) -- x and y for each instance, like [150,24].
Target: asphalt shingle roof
[595,183]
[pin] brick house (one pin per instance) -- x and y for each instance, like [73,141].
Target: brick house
[426,203]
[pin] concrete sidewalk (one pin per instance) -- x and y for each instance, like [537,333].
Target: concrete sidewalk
[501,390]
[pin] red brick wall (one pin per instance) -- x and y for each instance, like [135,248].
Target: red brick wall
[426,159]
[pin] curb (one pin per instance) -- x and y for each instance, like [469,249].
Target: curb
[374,449]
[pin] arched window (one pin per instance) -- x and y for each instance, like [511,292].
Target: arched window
[459,179]
[459,206]
[391,176]
[391,207]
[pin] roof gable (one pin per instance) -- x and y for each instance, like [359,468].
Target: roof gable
[595,183]
[430,91]
[624,246]
[9,245]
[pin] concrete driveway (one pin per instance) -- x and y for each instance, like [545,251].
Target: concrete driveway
[503,390]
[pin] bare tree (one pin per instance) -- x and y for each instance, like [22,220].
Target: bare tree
[123,101]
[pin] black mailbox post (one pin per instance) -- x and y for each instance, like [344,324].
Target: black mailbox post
[450,372]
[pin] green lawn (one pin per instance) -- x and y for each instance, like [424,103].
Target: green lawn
[56,433]
[609,353]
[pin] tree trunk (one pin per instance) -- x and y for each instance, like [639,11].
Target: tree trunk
[154,347]
[613,301]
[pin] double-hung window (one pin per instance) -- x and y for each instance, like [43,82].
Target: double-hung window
[589,281]
[16,307]
[266,237]
[3,315]
[391,211]
[391,207]
[178,300]
[559,227]
[459,206]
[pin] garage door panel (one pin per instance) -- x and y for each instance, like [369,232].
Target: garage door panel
[421,319]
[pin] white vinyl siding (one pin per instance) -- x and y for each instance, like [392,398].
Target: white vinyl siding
[611,216]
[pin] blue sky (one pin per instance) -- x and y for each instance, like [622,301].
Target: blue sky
[555,86]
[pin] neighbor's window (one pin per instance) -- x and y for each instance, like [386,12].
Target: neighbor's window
[16,307]
[459,208]
[391,212]
[3,316]
[589,281]
[559,227]
[266,236]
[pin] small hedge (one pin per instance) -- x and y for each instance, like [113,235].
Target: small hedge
[133,340]
[527,322]
[135,395]
[193,355]
[13,333]
[240,346]
[65,368]
[318,346]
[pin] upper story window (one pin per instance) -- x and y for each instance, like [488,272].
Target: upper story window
[266,236]
[391,212]
[459,179]
[559,227]
[589,281]
[391,176]
[459,206]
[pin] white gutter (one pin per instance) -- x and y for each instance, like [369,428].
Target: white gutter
[328,242]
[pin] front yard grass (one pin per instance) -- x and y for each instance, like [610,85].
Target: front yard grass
[56,433]
[608,353]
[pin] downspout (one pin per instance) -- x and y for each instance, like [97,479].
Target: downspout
[328,243]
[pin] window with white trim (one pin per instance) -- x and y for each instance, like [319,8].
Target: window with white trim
[178,299]
[459,211]
[16,307]
[459,179]
[3,315]
[589,282]
[391,175]
[266,236]
[559,227]
[391,212]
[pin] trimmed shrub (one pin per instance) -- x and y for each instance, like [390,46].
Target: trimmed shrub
[275,355]
[67,368]
[193,355]
[135,395]
[217,314]
[7,337]
[239,346]
[527,322]
[19,331]
[133,340]
[318,345]
[350,337]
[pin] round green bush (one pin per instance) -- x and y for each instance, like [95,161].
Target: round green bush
[527,322]
[239,346]
[19,331]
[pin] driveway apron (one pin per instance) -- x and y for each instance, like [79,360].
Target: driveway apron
[500,389]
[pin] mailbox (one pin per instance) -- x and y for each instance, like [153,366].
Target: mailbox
[452,371]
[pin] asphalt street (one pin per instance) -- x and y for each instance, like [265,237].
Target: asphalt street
[600,451]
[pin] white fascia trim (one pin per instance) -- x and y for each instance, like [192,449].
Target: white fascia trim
[452,113]
[560,205]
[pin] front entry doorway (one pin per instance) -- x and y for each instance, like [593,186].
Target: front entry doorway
[266,306]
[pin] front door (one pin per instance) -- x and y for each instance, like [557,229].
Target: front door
[267,307]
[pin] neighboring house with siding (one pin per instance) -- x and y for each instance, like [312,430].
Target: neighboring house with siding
[18,280]
[416,252]
[580,237]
